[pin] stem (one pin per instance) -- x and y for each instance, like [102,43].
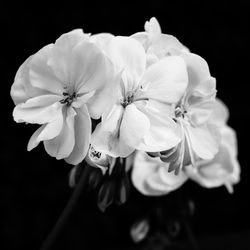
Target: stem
[68,210]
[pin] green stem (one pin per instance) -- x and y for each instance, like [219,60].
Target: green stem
[68,210]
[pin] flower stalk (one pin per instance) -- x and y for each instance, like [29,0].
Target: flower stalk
[67,212]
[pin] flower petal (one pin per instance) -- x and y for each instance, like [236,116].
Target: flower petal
[204,142]
[166,45]
[52,129]
[128,54]
[62,145]
[150,176]
[164,133]
[223,169]
[199,77]
[165,80]
[61,58]
[90,69]
[41,109]
[106,139]
[220,113]
[33,142]
[134,126]
[22,90]
[41,75]
[82,136]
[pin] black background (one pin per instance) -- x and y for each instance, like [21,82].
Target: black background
[34,187]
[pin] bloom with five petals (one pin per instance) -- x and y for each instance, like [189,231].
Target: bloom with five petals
[61,87]
[139,117]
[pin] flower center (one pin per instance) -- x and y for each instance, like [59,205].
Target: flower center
[180,112]
[128,99]
[68,99]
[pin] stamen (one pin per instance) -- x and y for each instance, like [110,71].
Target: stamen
[68,98]
[127,100]
[180,112]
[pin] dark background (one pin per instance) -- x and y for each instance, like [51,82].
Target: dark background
[34,187]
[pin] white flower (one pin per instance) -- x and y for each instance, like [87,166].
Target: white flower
[200,136]
[223,169]
[60,87]
[150,176]
[140,115]
[199,139]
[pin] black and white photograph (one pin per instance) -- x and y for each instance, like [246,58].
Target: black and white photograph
[125,125]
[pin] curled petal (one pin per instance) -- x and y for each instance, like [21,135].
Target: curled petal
[150,176]
[33,142]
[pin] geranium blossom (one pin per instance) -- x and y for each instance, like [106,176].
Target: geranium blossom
[140,115]
[198,138]
[151,177]
[223,169]
[60,87]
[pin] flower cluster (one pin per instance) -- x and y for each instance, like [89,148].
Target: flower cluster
[143,97]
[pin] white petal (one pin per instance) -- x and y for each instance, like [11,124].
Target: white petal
[34,111]
[52,129]
[150,176]
[41,75]
[166,45]
[82,136]
[164,133]
[198,74]
[22,90]
[102,40]
[106,137]
[61,58]
[62,145]
[220,113]
[134,126]
[90,69]
[203,141]
[143,167]
[33,142]
[166,182]
[128,54]
[165,80]
[142,38]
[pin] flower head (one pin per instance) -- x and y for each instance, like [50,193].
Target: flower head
[140,115]
[61,87]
